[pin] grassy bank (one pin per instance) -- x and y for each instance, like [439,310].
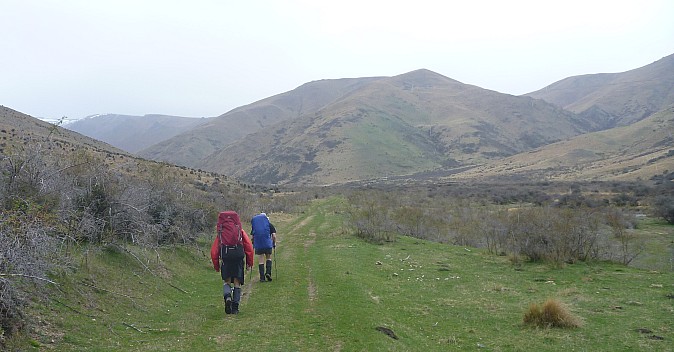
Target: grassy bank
[337,292]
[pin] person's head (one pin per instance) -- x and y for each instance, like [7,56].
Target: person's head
[265,215]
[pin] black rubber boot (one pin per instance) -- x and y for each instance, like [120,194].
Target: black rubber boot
[235,300]
[227,292]
[260,267]
[268,274]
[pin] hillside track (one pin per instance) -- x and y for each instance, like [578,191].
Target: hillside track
[298,266]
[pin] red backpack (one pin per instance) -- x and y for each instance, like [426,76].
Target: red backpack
[229,233]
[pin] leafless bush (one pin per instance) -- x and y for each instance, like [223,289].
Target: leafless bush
[549,233]
[495,230]
[412,221]
[554,234]
[621,225]
[466,223]
[50,204]
[664,207]
[371,218]
[27,254]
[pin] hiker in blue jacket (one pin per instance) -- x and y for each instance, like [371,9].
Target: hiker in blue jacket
[264,241]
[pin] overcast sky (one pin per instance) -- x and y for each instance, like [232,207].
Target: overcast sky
[197,58]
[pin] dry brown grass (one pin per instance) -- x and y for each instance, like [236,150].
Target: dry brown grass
[551,314]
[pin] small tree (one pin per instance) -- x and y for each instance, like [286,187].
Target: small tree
[370,218]
[630,247]
[664,208]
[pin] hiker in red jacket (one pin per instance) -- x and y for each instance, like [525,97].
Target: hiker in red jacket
[232,272]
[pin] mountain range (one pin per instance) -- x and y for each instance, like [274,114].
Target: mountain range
[415,122]
[615,99]
[132,133]
[597,126]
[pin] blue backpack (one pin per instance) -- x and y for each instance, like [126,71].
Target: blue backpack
[261,232]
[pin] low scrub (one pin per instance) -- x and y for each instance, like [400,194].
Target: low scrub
[551,314]
[550,233]
[52,203]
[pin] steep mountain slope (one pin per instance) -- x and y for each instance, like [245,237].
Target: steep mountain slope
[133,133]
[22,134]
[217,132]
[641,150]
[406,124]
[615,99]
[18,128]
[333,131]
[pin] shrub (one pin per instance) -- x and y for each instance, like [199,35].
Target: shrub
[552,235]
[664,208]
[551,314]
[371,219]
[50,202]
[27,253]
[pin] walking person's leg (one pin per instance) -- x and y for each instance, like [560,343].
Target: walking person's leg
[275,268]
[238,281]
[260,265]
[227,293]
[226,286]
[268,263]
[236,296]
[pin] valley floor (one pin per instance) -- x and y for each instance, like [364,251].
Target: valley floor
[335,292]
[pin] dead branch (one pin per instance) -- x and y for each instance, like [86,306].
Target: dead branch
[177,288]
[30,277]
[150,270]
[133,327]
[136,257]
[140,211]
[102,289]
[73,309]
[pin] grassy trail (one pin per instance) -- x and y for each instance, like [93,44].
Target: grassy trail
[333,291]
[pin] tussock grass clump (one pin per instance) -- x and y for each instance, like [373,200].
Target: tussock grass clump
[551,314]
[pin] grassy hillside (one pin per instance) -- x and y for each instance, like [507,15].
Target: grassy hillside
[324,149]
[18,129]
[618,98]
[336,292]
[191,147]
[639,151]
[414,122]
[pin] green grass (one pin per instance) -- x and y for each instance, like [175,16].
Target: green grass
[384,145]
[333,290]
[657,237]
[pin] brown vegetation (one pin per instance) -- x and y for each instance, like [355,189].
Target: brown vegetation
[552,314]
[588,222]
[60,195]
